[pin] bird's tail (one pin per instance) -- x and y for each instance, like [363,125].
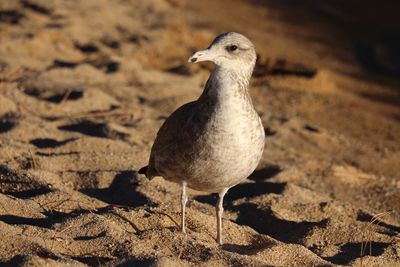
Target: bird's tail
[143,170]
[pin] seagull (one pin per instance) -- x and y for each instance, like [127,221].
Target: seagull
[217,141]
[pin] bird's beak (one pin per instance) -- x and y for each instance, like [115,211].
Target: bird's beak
[202,55]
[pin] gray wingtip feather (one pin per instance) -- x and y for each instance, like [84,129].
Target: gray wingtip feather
[143,170]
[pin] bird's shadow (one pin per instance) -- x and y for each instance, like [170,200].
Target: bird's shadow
[249,189]
[265,173]
[265,221]
[244,190]
[262,219]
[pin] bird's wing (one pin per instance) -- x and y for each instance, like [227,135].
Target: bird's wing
[170,133]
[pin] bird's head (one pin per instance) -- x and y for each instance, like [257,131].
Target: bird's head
[229,50]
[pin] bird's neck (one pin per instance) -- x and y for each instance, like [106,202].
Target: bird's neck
[225,84]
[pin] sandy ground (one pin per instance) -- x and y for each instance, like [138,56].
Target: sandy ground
[84,86]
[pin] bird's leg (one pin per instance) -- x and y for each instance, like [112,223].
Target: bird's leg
[220,210]
[183,206]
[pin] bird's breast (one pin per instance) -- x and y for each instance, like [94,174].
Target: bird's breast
[231,147]
[239,133]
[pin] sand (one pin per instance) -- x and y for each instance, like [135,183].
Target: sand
[84,86]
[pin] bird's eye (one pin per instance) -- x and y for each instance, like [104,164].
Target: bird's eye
[231,48]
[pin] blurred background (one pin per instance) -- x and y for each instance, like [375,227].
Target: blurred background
[85,85]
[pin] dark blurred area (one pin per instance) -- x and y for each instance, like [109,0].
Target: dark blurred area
[371,27]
